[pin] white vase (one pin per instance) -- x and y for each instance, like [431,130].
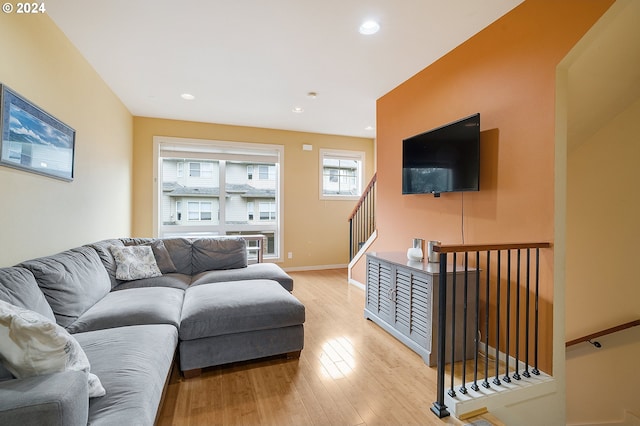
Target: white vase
[415,254]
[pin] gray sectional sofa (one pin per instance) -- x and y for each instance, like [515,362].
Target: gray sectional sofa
[201,302]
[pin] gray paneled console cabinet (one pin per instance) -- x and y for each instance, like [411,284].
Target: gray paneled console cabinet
[402,298]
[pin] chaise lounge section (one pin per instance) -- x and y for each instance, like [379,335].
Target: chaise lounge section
[199,296]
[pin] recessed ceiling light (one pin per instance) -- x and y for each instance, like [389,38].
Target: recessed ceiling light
[368,128]
[298,110]
[369,27]
[187,96]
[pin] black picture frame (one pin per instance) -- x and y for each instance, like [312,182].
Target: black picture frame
[33,140]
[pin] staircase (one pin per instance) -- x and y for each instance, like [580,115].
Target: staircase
[362,222]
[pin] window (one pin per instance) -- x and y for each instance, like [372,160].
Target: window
[204,170]
[180,169]
[229,188]
[199,210]
[261,171]
[249,210]
[341,174]
[179,210]
[266,172]
[267,211]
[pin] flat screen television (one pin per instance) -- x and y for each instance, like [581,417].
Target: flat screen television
[444,159]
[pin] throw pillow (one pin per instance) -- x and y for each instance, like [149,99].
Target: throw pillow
[135,262]
[32,345]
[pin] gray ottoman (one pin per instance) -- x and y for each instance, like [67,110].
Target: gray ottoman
[237,321]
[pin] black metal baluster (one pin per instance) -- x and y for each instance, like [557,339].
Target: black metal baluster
[535,361]
[452,392]
[439,408]
[516,375]
[506,377]
[476,329]
[463,388]
[526,329]
[485,382]
[496,380]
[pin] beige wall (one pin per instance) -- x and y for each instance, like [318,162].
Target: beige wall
[599,93]
[603,207]
[315,231]
[40,215]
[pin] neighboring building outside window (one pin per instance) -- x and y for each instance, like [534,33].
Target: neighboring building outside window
[341,174]
[219,188]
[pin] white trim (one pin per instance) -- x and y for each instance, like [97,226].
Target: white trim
[357,284]
[156,189]
[362,251]
[341,153]
[314,268]
[508,393]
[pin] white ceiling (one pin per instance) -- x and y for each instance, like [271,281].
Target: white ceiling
[250,62]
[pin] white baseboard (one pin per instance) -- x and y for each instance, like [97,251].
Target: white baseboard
[629,419]
[357,284]
[314,268]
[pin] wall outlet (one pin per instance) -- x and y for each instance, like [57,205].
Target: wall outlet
[290,255]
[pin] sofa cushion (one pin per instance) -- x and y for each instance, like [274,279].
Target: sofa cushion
[267,271]
[236,307]
[32,345]
[218,253]
[52,399]
[179,281]
[163,259]
[133,363]
[136,306]
[18,286]
[135,262]
[72,281]
[180,252]
[103,248]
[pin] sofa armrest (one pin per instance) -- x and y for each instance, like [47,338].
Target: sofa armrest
[52,399]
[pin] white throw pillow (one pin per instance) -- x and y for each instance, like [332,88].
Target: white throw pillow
[32,345]
[135,262]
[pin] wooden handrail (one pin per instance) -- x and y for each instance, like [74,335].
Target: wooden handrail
[457,248]
[603,333]
[364,195]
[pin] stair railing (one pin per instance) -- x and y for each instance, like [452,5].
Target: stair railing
[506,296]
[362,220]
[589,337]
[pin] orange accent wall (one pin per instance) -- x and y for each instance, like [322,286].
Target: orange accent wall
[507,74]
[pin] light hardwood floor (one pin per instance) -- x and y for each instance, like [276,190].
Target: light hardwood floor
[350,372]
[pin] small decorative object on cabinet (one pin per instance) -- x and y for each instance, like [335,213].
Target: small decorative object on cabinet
[402,298]
[416,253]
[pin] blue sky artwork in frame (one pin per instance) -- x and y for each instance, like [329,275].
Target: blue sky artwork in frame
[33,140]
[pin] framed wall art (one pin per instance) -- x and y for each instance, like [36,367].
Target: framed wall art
[33,140]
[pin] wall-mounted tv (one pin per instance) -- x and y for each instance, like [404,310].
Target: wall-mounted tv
[444,159]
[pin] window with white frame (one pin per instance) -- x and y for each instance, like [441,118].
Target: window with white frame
[199,210]
[204,170]
[267,210]
[241,195]
[341,174]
